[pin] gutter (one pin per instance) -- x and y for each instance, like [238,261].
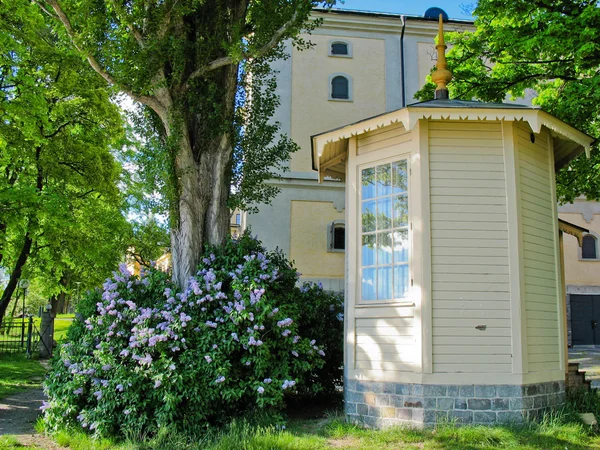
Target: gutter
[403,19]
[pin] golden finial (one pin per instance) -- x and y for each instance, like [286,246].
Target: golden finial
[442,76]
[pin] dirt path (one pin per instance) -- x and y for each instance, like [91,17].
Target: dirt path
[18,414]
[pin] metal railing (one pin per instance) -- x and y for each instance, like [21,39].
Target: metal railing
[19,335]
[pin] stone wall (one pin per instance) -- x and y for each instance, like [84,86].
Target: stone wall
[379,405]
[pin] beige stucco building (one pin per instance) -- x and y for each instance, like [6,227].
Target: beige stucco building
[582,273]
[384,59]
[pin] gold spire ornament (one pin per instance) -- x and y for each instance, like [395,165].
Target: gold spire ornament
[442,76]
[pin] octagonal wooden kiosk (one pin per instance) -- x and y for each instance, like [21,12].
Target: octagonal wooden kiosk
[453,286]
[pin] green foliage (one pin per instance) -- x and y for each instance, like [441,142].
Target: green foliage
[552,48]
[58,183]
[233,342]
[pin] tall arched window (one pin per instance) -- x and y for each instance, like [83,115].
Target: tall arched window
[340,88]
[588,248]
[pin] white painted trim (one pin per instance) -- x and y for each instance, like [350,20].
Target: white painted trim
[422,254]
[515,242]
[560,297]
[340,41]
[351,260]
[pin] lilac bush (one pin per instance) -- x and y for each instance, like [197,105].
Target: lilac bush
[145,356]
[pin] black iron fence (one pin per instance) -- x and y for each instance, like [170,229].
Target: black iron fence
[19,335]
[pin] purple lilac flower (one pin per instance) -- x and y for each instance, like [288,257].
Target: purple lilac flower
[127,412]
[220,379]
[260,389]
[120,387]
[267,380]
[172,367]
[321,352]
[78,391]
[98,395]
[106,367]
[157,384]
[208,359]
[45,406]
[285,323]
[295,353]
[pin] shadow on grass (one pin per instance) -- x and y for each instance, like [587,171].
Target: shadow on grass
[17,372]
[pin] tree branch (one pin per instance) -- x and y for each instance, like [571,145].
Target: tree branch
[227,60]
[148,100]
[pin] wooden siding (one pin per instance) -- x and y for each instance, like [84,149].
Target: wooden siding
[385,338]
[539,259]
[383,138]
[469,240]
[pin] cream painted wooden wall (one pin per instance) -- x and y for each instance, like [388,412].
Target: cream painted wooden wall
[469,240]
[539,249]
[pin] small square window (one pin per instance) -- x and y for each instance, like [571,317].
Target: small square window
[336,236]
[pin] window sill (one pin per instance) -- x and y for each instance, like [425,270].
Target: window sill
[381,304]
[331,55]
[335,250]
[340,99]
[589,260]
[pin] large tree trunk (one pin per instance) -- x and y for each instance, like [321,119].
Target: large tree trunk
[203,168]
[15,276]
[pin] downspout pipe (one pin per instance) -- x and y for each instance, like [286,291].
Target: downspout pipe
[402,76]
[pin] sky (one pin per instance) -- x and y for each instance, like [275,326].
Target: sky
[411,7]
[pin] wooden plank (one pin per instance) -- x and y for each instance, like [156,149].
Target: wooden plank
[499,279]
[470,296]
[550,358]
[468,313]
[462,242]
[472,350]
[437,143]
[550,334]
[479,269]
[441,225]
[533,204]
[500,236]
[467,167]
[399,341]
[473,135]
[470,286]
[469,260]
[478,200]
[542,262]
[387,143]
[395,322]
[382,134]
[462,175]
[495,210]
[532,251]
[535,289]
[384,311]
[500,254]
[482,358]
[369,354]
[472,368]
[461,125]
[471,332]
[446,157]
[526,173]
[542,349]
[533,185]
[468,217]
[540,273]
[542,341]
[466,192]
[468,340]
[462,323]
[538,307]
[543,367]
[387,366]
[466,183]
[541,239]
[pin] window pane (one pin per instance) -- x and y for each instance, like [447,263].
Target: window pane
[339,238]
[368,284]
[399,176]
[368,183]
[384,248]
[588,249]
[339,87]
[401,246]
[368,250]
[400,211]
[384,180]
[400,281]
[384,283]
[369,212]
[339,49]
[384,214]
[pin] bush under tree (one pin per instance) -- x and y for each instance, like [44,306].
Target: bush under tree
[241,336]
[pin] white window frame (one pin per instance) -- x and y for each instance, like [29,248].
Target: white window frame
[407,299]
[331,226]
[339,41]
[350,88]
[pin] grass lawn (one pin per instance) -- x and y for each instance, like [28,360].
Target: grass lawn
[17,373]
[334,433]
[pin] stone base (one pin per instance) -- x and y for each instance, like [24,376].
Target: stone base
[379,405]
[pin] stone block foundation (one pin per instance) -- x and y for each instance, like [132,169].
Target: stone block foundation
[378,404]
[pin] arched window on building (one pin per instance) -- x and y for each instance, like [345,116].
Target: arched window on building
[588,248]
[339,49]
[340,88]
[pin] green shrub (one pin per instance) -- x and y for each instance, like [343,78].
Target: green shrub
[148,356]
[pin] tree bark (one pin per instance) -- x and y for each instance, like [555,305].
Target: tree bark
[203,169]
[15,276]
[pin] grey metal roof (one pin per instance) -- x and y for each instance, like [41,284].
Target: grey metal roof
[469,104]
